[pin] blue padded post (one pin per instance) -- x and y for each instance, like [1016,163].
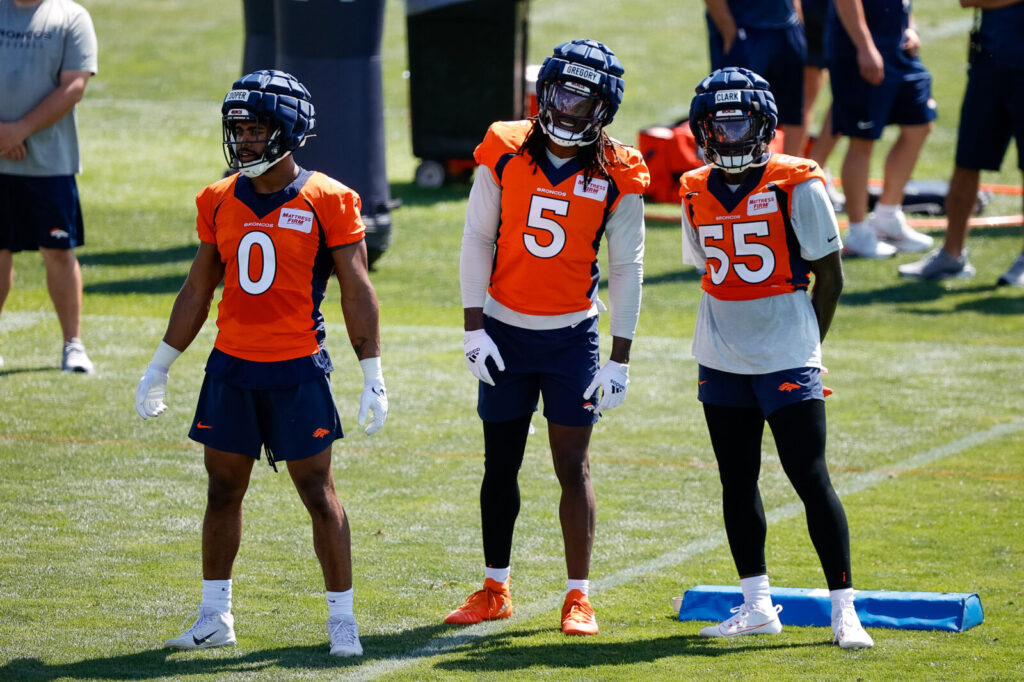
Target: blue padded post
[952,611]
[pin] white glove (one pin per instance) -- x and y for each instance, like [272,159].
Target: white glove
[152,388]
[150,393]
[613,379]
[375,398]
[478,347]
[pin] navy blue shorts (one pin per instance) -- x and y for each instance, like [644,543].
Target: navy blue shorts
[815,14]
[556,364]
[290,423]
[767,391]
[40,212]
[862,110]
[992,112]
[778,54]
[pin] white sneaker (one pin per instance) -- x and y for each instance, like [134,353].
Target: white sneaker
[344,634]
[74,358]
[893,229]
[212,628]
[747,621]
[837,198]
[1013,277]
[938,265]
[847,630]
[864,244]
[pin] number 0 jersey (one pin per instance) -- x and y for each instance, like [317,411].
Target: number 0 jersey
[756,242]
[276,253]
[551,222]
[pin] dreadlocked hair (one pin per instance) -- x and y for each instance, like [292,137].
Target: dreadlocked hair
[595,158]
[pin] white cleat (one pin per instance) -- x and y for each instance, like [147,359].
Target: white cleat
[344,634]
[863,243]
[895,231]
[847,630]
[212,628]
[747,621]
[74,358]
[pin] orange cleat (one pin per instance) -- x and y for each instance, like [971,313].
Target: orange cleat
[491,603]
[577,615]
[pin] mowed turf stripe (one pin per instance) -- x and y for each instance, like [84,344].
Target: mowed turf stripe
[857,483]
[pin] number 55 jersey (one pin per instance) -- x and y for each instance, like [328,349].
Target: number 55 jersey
[756,241]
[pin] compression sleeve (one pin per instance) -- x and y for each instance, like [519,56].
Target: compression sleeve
[478,237]
[625,234]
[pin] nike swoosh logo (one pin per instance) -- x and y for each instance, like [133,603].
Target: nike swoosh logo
[865,125]
[832,238]
[202,640]
[201,425]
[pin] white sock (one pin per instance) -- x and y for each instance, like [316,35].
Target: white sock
[886,209]
[858,227]
[839,596]
[498,575]
[339,603]
[581,585]
[217,595]
[756,593]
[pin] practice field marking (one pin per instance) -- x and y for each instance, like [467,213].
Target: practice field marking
[448,643]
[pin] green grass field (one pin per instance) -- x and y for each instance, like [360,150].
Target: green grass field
[99,531]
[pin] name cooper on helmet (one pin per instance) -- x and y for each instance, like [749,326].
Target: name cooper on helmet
[279,103]
[733,118]
[579,89]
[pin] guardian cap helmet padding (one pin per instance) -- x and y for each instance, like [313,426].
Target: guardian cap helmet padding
[733,118]
[276,100]
[579,89]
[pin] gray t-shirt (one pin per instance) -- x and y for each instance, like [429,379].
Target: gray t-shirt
[36,44]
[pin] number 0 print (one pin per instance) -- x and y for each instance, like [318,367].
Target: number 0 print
[743,244]
[538,221]
[268,267]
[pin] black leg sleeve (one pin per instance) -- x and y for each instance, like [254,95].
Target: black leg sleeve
[799,432]
[736,438]
[504,445]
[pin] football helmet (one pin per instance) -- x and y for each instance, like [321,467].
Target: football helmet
[733,118]
[275,100]
[579,89]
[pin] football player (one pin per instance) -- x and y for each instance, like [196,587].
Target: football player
[761,224]
[545,193]
[273,233]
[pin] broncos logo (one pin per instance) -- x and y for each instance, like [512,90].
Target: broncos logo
[789,387]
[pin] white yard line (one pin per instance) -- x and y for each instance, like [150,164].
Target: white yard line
[442,645]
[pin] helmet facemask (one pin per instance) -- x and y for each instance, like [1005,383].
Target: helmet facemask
[253,156]
[735,140]
[571,113]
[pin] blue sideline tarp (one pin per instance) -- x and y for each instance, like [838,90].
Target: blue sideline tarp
[953,611]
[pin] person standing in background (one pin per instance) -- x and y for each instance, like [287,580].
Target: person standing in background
[48,52]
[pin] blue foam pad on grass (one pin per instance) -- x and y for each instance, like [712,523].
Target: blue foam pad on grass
[954,611]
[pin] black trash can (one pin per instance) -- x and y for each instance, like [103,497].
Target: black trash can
[467,60]
[334,49]
[260,49]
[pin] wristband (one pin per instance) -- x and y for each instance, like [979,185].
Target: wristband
[371,369]
[164,356]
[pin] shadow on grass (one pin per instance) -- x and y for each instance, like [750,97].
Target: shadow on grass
[168,284]
[167,663]
[501,653]
[139,256]
[926,291]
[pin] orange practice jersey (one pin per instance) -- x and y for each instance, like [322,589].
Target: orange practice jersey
[276,253]
[551,222]
[752,251]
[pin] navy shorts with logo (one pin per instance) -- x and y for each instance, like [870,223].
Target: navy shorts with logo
[40,212]
[556,364]
[992,113]
[768,391]
[290,423]
[862,110]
